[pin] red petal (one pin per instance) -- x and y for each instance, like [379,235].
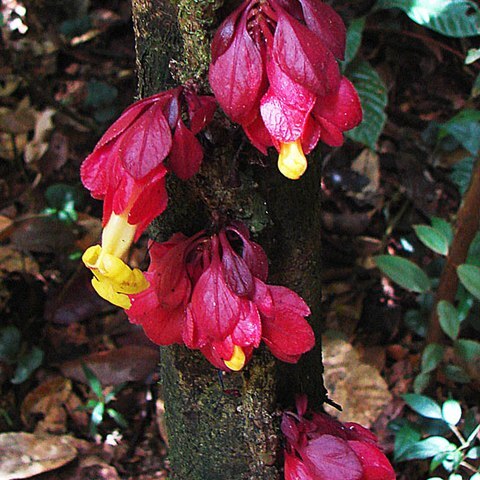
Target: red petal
[263,298]
[374,462]
[287,334]
[301,404]
[237,76]
[256,259]
[295,469]
[284,122]
[302,56]
[146,143]
[225,32]
[341,109]
[290,429]
[186,154]
[215,308]
[311,135]
[324,424]
[200,111]
[258,134]
[327,24]
[331,458]
[330,133]
[286,300]
[358,432]
[95,171]
[248,331]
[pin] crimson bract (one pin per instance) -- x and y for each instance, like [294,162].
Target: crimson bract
[209,292]
[318,447]
[127,171]
[274,71]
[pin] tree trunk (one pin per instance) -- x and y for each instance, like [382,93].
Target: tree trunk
[229,432]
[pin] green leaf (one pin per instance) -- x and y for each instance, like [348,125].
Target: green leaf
[423,405]
[407,436]
[404,272]
[444,227]
[64,197]
[93,381]
[432,238]
[10,338]
[474,453]
[448,318]
[432,356]
[476,87]
[97,413]
[354,39]
[455,476]
[467,349]
[465,128]
[453,18]
[117,417]
[475,476]
[111,395]
[27,364]
[100,94]
[462,173]
[373,97]
[469,275]
[416,321]
[471,438]
[457,374]
[437,460]
[421,382]
[473,55]
[77,26]
[451,412]
[427,448]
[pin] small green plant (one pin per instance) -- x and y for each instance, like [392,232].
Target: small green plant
[439,434]
[14,351]
[98,405]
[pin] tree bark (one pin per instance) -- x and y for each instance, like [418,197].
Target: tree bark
[217,434]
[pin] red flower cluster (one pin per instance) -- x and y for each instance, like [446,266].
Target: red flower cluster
[209,292]
[322,448]
[127,171]
[127,168]
[274,71]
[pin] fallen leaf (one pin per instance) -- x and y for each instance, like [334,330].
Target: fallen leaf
[36,148]
[12,260]
[357,386]
[126,364]
[23,455]
[6,225]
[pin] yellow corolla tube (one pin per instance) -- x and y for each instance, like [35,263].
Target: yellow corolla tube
[237,362]
[291,161]
[113,279]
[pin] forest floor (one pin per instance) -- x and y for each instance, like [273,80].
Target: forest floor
[62,81]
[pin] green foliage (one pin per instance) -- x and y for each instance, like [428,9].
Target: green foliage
[63,202]
[15,352]
[373,97]
[101,98]
[98,405]
[354,39]
[404,272]
[449,319]
[436,435]
[469,275]
[432,238]
[453,18]
[465,128]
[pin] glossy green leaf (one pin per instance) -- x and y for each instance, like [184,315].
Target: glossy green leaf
[449,319]
[457,374]
[97,413]
[467,349]
[373,97]
[473,55]
[427,448]
[406,437]
[93,381]
[451,412]
[476,87]
[453,18]
[474,453]
[432,238]
[421,382]
[475,476]
[118,417]
[465,128]
[423,405]
[27,364]
[432,356]
[444,227]
[354,39]
[469,275]
[404,272]
[462,173]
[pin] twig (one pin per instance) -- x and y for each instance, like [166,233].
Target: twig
[468,223]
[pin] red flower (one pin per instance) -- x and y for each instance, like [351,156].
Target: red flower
[209,292]
[322,448]
[127,171]
[274,71]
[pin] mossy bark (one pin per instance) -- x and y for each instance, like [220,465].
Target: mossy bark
[232,431]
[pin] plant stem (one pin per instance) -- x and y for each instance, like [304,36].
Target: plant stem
[467,225]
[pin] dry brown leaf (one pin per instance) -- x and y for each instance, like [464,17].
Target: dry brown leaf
[368,165]
[357,386]
[6,225]
[23,455]
[36,148]
[12,260]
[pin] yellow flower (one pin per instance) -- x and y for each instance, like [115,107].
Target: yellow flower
[113,280]
[237,362]
[291,161]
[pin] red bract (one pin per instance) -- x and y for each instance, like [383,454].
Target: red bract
[319,447]
[209,292]
[274,71]
[128,165]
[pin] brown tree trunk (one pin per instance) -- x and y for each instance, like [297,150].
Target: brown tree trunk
[233,434]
